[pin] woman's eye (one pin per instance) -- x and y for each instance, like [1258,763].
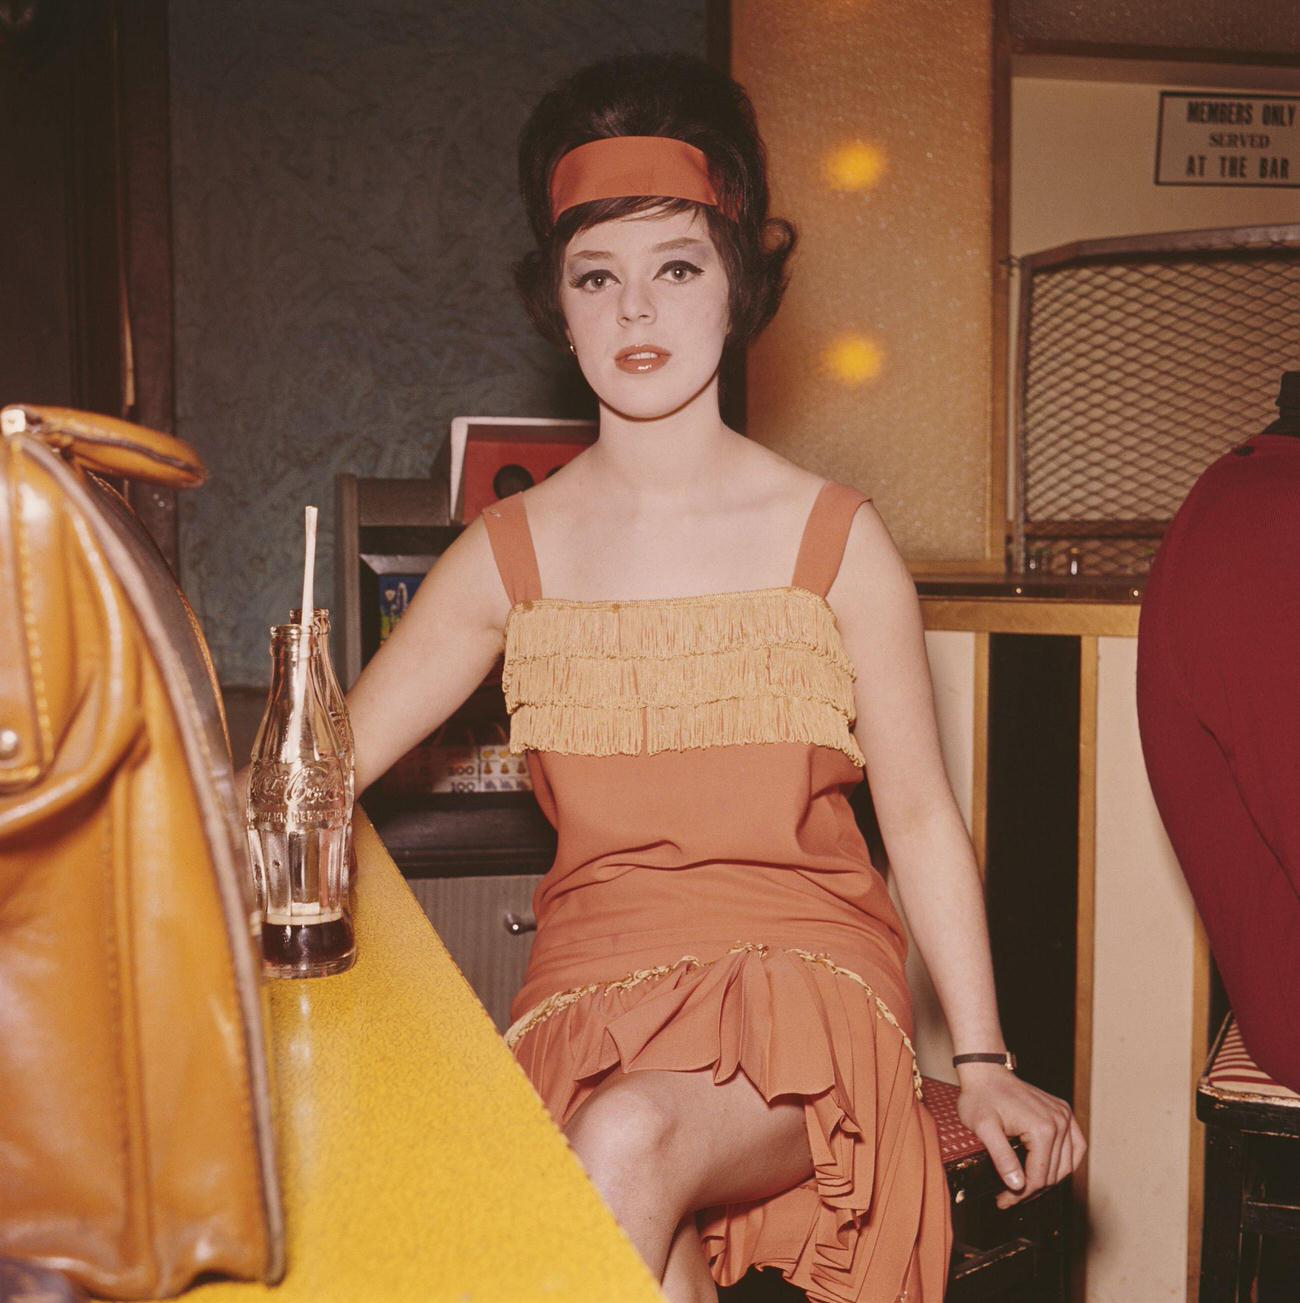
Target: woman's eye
[687,270]
[589,278]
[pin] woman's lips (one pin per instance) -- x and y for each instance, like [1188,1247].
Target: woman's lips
[641,358]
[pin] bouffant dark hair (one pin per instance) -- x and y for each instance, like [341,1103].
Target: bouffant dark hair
[656,95]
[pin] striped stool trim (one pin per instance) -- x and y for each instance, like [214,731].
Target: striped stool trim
[956,1140]
[1235,1075]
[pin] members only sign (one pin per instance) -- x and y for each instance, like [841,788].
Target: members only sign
[1228,140]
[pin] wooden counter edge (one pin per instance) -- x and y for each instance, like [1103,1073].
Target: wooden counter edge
[1031,615]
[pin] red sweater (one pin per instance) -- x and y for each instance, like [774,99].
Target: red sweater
[1218,696]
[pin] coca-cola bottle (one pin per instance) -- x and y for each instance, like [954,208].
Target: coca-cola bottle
[298,813]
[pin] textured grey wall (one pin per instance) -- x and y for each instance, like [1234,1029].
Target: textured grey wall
[344,220]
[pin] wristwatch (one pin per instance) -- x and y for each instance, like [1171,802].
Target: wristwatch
[1006,1059]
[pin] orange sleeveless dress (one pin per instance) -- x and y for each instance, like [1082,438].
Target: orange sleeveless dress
[712,905]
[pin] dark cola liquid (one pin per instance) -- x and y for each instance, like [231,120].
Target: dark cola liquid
[294,949]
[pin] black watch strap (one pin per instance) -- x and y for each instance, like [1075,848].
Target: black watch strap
[1006,1059]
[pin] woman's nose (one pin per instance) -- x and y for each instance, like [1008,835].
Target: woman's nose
[635,304]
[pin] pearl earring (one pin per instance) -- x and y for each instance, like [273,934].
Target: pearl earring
[572,350]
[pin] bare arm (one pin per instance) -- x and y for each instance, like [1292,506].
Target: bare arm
[440,651]
[930,852]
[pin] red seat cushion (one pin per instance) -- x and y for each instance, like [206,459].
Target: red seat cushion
[956,1140]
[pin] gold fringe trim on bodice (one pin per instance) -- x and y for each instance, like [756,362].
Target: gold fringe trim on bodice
[604,678]
[561,1000]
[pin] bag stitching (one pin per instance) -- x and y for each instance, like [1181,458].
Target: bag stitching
[44,728]
[115,996]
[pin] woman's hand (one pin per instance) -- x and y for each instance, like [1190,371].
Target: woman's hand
[995,1104]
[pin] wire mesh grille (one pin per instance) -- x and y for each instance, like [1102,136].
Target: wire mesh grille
[1138,370]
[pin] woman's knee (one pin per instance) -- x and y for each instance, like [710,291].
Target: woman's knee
[623,1131]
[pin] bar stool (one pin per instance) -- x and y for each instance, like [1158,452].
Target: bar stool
[1252,1124]
[1017,1252]
[1013,1253]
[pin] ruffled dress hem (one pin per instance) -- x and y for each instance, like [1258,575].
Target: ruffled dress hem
[872,1222]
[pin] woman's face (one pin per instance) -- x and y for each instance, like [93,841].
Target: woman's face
[645,300]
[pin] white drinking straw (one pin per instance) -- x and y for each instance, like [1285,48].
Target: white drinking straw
[309,570]
[306,614]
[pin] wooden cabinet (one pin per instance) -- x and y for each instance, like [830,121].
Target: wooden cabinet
[487,925]
[473,862]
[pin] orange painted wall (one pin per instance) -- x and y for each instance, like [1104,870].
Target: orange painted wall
[877,370]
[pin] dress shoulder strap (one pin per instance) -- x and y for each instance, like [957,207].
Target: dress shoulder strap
[824,534]
[512,546]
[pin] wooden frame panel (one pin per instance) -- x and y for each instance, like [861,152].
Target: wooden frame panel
[1085,950]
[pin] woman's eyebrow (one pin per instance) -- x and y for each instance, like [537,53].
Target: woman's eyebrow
[682,242]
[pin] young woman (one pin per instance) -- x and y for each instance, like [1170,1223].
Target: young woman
[704,645]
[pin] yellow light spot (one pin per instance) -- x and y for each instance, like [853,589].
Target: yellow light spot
[854,165]
[854,359]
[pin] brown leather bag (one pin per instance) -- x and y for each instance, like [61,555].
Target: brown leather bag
[135,1126]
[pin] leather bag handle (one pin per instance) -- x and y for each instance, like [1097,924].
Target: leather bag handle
[108,446]
[32,721]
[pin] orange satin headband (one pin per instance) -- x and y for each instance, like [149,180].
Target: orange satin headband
[618,166]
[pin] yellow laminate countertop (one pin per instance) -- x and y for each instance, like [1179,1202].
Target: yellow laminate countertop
[416,1160]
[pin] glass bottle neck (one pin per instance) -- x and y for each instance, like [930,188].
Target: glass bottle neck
[296,723]
[320,618]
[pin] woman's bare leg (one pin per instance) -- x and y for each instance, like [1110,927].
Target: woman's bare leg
[658,1145]
[687,1278]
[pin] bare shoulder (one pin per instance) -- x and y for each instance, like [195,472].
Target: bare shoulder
[873,585]
[776,479]
[466,581]
[559,497]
